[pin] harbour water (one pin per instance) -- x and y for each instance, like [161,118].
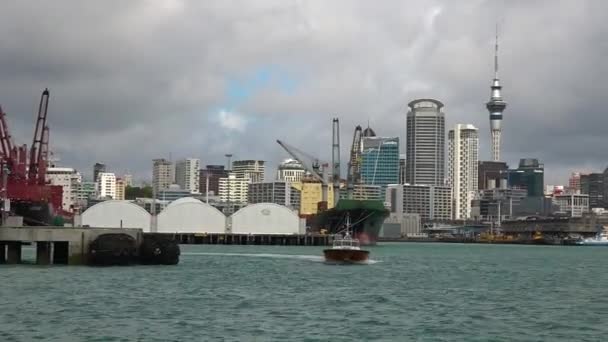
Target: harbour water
[423,292]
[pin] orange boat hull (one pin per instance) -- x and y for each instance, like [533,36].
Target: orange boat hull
[346,255]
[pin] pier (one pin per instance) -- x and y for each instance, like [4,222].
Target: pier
[55,245]
[252,239]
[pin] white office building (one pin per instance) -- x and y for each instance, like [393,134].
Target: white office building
[106,185]
[463,155]
[290,170]
[186,174]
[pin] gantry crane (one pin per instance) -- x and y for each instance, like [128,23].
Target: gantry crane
[354,163]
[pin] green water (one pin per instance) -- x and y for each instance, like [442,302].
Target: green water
[423,292]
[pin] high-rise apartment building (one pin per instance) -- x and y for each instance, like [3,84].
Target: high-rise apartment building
[106,185]
[290,170]
[97,169]
[163,174]
[380,161]
[211,175]
[252,169]
[233,189]
[425,150]
[463,155]
[186,174]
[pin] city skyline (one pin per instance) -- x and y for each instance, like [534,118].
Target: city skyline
[236,83]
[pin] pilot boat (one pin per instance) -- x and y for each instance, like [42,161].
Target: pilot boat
[345,248]
[601,239]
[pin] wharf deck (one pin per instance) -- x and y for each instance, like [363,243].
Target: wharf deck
[251,239]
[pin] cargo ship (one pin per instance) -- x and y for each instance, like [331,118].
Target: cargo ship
[367,217]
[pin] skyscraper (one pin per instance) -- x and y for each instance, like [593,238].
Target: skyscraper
[425,150]
[163,174]
[380,161]
[529,175]
[463,155]
[496,106]
[186,174]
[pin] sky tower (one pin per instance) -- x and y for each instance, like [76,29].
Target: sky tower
[496,106]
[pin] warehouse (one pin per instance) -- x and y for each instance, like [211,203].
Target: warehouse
[189,215]
[114,214]
[265,218]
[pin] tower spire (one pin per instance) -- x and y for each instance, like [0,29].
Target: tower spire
[496,106]
[496,55]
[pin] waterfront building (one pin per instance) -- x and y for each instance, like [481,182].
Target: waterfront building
[592,184]
[187,174]
[234,189]
[529,175]
[495,107]
[425,143]
[252,169]
[311,194]
[278,192]
[495,202]
[106,185]
[431,202]
[68,178]
[163,174]
[121,186]
[97,169]
[574,205]
[290,170]
[463,151]
[380,161]
[211,175]
[491,174]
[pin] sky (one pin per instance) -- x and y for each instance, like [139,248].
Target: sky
[131,81]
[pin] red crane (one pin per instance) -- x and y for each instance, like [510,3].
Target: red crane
[26,182]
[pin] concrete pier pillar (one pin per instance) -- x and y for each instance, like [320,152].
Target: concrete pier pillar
[13,252]
[2,253]
[43,253]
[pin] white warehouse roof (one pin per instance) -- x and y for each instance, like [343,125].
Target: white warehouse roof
[116,214]
[265,218]
[189,215]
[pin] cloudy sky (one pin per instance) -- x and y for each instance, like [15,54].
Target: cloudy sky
[135,80]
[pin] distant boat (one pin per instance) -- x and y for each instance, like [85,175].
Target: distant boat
[346,249]
[600,239]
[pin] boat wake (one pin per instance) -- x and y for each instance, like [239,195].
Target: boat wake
[314,258]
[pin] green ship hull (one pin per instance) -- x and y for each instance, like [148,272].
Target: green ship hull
[366,216]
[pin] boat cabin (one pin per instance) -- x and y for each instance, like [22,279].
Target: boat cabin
[345,242]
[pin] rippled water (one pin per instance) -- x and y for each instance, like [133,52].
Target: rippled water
[424,292]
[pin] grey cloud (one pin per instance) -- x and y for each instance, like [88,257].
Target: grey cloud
[131,81]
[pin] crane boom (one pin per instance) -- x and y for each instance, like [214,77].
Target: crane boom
[36,153]
[5,138]
[313,169]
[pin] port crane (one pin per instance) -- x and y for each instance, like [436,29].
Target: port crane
[335,159]
[24,181]
[313,167]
